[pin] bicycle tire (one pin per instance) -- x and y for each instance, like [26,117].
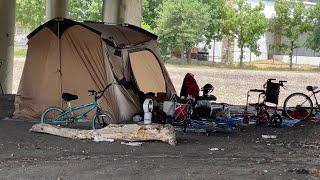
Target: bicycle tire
[101,120]
[304,114]
[47,118]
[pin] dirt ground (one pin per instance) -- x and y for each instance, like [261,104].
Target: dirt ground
[293,154]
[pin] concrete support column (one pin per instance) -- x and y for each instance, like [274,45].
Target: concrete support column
[7,31]
[56,8]
[122,11]
[111,11]
[130,12]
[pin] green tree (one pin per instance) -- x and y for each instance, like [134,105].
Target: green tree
[246,24]
[89,10]
[150,13]
[79,10]
[214,30]
[291,19]
[30,13]
[313,42]
[182,24]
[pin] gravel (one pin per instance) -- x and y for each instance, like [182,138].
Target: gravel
[231,86]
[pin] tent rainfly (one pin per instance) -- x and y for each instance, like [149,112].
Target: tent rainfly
[74,57]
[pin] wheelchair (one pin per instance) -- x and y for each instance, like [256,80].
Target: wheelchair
[268,99]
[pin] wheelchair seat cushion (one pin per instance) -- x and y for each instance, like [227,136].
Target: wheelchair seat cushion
[69,97]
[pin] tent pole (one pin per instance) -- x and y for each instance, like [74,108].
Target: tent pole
[60,71]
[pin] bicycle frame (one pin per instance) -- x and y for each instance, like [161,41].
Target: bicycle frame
[315,97]
[63,118]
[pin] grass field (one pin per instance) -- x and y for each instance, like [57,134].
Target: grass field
[261,65]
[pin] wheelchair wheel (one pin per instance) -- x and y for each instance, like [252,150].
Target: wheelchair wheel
[51,116]
[276,120]
[101,120]
[263,118]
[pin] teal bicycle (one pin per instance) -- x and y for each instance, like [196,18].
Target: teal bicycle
[58,116]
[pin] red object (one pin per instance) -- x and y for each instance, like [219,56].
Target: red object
[189,87]
[299,113]
[181,112]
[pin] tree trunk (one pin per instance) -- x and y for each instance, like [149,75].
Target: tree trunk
[291,54]
[290,60]
[188,56]
[182,53]
[213,50]
[228,49]
[126,132]
[241,56]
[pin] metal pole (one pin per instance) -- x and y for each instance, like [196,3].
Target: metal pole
[60,70]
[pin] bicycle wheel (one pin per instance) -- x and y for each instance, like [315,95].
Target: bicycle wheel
[298,106]
[50,114]
[101,120]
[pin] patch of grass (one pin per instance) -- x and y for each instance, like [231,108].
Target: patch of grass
[266,65]
[20,52]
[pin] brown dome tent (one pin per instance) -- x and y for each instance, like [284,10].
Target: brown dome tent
[74,57]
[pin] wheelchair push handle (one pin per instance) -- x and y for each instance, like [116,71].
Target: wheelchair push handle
[271,79]
[281,83]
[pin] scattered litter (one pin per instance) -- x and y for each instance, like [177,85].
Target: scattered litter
[299,171]
[269,136]
[290,122]
[137,118]
[313,171]
[214,149]
[102,139]
[132,143]
[265,171]
[310,146]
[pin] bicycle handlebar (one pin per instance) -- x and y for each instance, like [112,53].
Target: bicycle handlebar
[98,94]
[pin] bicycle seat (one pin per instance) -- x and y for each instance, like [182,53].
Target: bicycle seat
[69,97]
[312,88]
